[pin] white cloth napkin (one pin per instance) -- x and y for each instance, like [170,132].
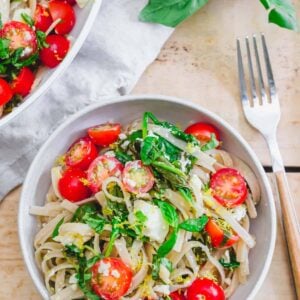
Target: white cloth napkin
[115,54]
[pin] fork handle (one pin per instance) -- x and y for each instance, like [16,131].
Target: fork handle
[291,226]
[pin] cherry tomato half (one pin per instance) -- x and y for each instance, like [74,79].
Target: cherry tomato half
[137,178]
[228,187]
[64,12]
[104,134]
[20,35]
[23,82]
[42,18]
[203,131]
[177,296]
[111,278]
[81,153]
[101,168]
[5,92]
[71,185]
[71,2]
[56,52]
[221,234]
[204,288]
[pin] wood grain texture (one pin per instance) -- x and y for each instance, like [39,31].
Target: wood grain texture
[291,226]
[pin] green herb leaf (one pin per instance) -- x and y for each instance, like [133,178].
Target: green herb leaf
[27,19]
[186,193]
[168,245]
[194,225]
[41,39]
[168,211]
[82,210]
[167,263]
[150,150]
[156,262]
[140,216]
[170,12]
[211,144]
[113,236]
[56,229]
[232,264]
[95,221]
[282,13]
[123,157]
[4,48]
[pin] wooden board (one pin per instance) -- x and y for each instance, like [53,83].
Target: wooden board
[199,63]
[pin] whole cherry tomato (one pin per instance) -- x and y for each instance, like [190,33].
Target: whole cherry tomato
[42,18]
[56,52]
[71,185]
[104,134]
[203,131]
[5,92]
[23,82]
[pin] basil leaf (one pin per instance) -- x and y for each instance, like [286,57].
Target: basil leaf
[168,245]
[168,211]
[281,13]
[211,144]
[194,225]
[170,12]
[56,229]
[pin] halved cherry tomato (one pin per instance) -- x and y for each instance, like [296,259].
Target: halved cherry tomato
[5,92]
[203,131]
[177,296]
[81,153]
[228,187]
[71,185]
[111,278]
[137,178]
[221,234]
[42,18]
[104,134]
[64,12]
[20,35]
[71,2]
[23,82]
[56,52]
[204,288]
[101,168]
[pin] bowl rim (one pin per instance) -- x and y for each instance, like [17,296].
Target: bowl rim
[153,97]
[60,69]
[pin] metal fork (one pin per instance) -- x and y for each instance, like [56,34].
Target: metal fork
[262,111]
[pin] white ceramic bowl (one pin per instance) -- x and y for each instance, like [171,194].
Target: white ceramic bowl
[125,110]
[84,20]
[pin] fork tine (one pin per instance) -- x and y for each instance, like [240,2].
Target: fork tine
[243,88]
[260,77]
[272,87]
[252,80]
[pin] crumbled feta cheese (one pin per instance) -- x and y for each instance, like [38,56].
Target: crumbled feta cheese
[125,144]
[104,268]
[122,136]
[115,274]
[238,212]
[155,227]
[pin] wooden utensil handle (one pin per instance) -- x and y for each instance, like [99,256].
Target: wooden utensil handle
[291,226]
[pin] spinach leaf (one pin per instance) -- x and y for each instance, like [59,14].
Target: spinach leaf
[232,264]
[194,225]
[186,193]
[168,245]
[135,135]
[82,210]
[211,144]
[170,168]
[4,48]
[170,12]
[123,157]
[150,150]
[282,13]
[56,229]
[168,211]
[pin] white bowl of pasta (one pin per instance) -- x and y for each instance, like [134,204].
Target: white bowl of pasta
[137,208]
[38,41]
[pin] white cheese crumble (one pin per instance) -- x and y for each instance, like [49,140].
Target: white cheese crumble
[115,274]
[238,212]
[104,268]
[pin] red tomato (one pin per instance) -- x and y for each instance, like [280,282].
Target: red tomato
[20,35]
[204,288]
[5,92]
[101,168]
[228,187]
[56,52]
[104,134]
[137,178]
[81,153]
[177,296]
[71,2]
[64,12]
[23,82]
[203,131]
[111,278]
[71,185]
[220,237]
[42,18]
